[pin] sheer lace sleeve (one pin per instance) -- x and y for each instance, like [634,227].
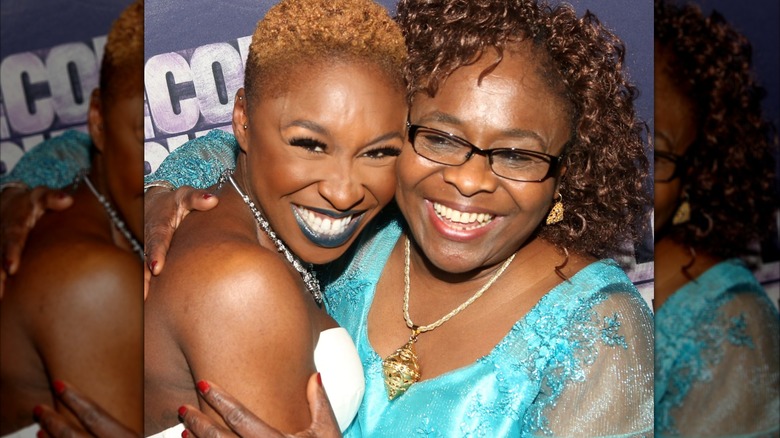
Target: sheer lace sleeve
[54,163]
[733,385]
[609,383]
[199,162]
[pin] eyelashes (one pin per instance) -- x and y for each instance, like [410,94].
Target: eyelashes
[315,146]
[309,144]
[383,152]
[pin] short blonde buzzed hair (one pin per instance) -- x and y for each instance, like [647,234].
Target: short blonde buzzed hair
[121,71]
[309,31]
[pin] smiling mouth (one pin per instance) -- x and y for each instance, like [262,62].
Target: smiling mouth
[461,220]
[326,228]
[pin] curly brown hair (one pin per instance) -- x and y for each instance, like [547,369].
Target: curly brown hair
[121,71]
[308,31]
[605,189]
[731,167]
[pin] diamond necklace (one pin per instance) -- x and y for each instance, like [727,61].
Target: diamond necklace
[401,369]
[112,214]
[312,284]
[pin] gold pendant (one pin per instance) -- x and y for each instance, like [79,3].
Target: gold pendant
[401,369]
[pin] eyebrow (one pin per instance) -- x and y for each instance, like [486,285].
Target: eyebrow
[438,116]
[385,137]
[308,124]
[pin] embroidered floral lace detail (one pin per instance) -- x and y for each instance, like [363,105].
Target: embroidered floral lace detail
[568,350]
[737,333]
[690,356]
[609,333]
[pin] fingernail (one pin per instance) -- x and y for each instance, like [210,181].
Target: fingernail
[61,195]
[6,265]
[319,378]
[152,265]
[182,411]
[203,387]
[59,387]
[207,196]
[185,434]
[37,412]
[40,433]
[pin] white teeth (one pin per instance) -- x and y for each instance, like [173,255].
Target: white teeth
[327,226]
[471,220]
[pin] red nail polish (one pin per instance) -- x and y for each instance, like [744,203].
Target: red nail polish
[207,196]
[319,378]
[37,412]
[59,387]
[203,387]
[40,434]
[185,434]
[61,195]
[182,411]
[6,265]
[152,265]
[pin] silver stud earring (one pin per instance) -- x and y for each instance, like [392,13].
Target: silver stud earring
[245,127]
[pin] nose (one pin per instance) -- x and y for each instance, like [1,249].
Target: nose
[341,185]
[472,177]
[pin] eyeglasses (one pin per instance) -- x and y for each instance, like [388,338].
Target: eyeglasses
[668,166]
[510,163]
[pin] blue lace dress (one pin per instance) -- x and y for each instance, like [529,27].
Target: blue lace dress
[578,364]
[717,358]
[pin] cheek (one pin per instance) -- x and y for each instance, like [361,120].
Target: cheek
[412,169]
[666,199]
[534,200]
[380,182]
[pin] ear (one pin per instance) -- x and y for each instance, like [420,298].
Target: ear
[95,121]
[240,120]
[561,173]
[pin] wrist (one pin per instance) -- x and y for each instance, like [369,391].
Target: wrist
[14,186]
[159,185]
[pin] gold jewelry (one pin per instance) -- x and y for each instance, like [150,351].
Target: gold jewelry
[683,213]
[401,369]
[556,213]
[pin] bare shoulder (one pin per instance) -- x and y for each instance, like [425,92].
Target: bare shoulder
[100,280]
[224,273]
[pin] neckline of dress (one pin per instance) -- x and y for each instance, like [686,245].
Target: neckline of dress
[506,339]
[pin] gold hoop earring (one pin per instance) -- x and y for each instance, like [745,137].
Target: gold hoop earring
[556,212]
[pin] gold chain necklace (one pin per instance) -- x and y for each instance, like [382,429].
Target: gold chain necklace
[401,369]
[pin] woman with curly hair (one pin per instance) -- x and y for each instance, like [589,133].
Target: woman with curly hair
[717,354]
